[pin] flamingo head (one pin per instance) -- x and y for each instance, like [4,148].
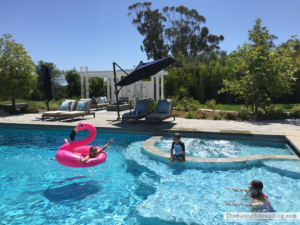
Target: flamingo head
[80,126]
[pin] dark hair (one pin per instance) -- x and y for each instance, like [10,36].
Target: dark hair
[177,135]
[91,148]
[257,184]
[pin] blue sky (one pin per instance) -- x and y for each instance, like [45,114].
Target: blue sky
[96,33]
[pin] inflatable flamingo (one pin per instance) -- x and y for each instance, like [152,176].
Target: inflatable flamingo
[67,157]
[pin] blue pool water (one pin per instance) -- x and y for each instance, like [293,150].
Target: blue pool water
[129,188]
[208,148]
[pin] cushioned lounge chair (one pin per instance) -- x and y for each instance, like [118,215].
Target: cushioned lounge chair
[77,113]
[98,105]
[56,113]
[135,117]
[160,114]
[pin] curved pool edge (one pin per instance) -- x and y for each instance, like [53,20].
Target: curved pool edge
[149,146]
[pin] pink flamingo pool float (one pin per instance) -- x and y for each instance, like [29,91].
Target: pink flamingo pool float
[65,155]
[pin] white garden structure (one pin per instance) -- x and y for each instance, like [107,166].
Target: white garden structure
[139,89]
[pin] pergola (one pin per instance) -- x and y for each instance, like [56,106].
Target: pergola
[109,75]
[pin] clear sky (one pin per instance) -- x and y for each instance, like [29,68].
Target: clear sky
[96,33]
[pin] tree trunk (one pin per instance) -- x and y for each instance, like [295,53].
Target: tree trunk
[255,109]
[13,101]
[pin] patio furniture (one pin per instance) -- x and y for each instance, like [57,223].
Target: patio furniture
[98,104]
[57,112]
[82,109]
[142,106]
[162,113]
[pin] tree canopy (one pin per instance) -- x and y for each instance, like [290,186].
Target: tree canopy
[261,70]
[174,30]
[17,74]
[73,86]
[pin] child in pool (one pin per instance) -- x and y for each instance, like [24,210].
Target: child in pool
[259,201]
[179,150]
[93,152]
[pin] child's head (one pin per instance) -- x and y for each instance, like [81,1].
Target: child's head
[176,138]
[93,151]
[255,188]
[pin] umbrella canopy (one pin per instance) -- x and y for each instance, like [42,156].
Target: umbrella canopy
[146,70]
[47,83]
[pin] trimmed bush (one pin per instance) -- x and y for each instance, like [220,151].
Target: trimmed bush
[153,106]
[203,115]
[29,109]
[275,113]
[244,113]
[296,111]
[216,116]
[189,115]
[230,116]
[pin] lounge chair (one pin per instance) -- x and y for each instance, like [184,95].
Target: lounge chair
[77,112]
[98,105]
[143,114]
[56,113]
[162,113]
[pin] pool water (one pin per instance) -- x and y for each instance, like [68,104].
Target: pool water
[208,148]
[129,188]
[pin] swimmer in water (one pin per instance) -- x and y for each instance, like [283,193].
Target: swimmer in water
[259,201]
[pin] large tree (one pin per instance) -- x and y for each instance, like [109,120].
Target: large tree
[73,86]
[261,71]
[17,77]
[176,30]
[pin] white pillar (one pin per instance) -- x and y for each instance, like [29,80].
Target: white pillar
[134,90]
[112,91]
[87,83]
[82,82]
[152,87]
[108,89]
[162,87]
[140,89]
[157,87]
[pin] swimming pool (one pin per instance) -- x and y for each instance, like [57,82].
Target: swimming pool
[129,188]
[209,148]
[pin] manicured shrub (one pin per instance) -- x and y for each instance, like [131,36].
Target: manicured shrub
[244,113]
[180,107]
[29,109]
[230,116]
[216,116]
[203,115]
[189,115]
[275,113]
[296,111]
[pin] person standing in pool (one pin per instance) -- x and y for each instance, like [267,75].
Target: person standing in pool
[259,201]
[179,150]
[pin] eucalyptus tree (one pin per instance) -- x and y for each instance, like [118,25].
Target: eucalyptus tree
[174,30]
[17,74]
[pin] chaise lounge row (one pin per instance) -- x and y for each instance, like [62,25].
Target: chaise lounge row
[142,107]
[68,110]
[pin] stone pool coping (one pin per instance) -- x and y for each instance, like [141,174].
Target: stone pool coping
[149,146]
[292,137]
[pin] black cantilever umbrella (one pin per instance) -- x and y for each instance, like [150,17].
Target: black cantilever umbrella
[146,70]
[47,85]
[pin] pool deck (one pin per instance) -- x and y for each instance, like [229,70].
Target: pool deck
[105,122]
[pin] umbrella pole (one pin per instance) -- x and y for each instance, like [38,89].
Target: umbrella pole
[116,92]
